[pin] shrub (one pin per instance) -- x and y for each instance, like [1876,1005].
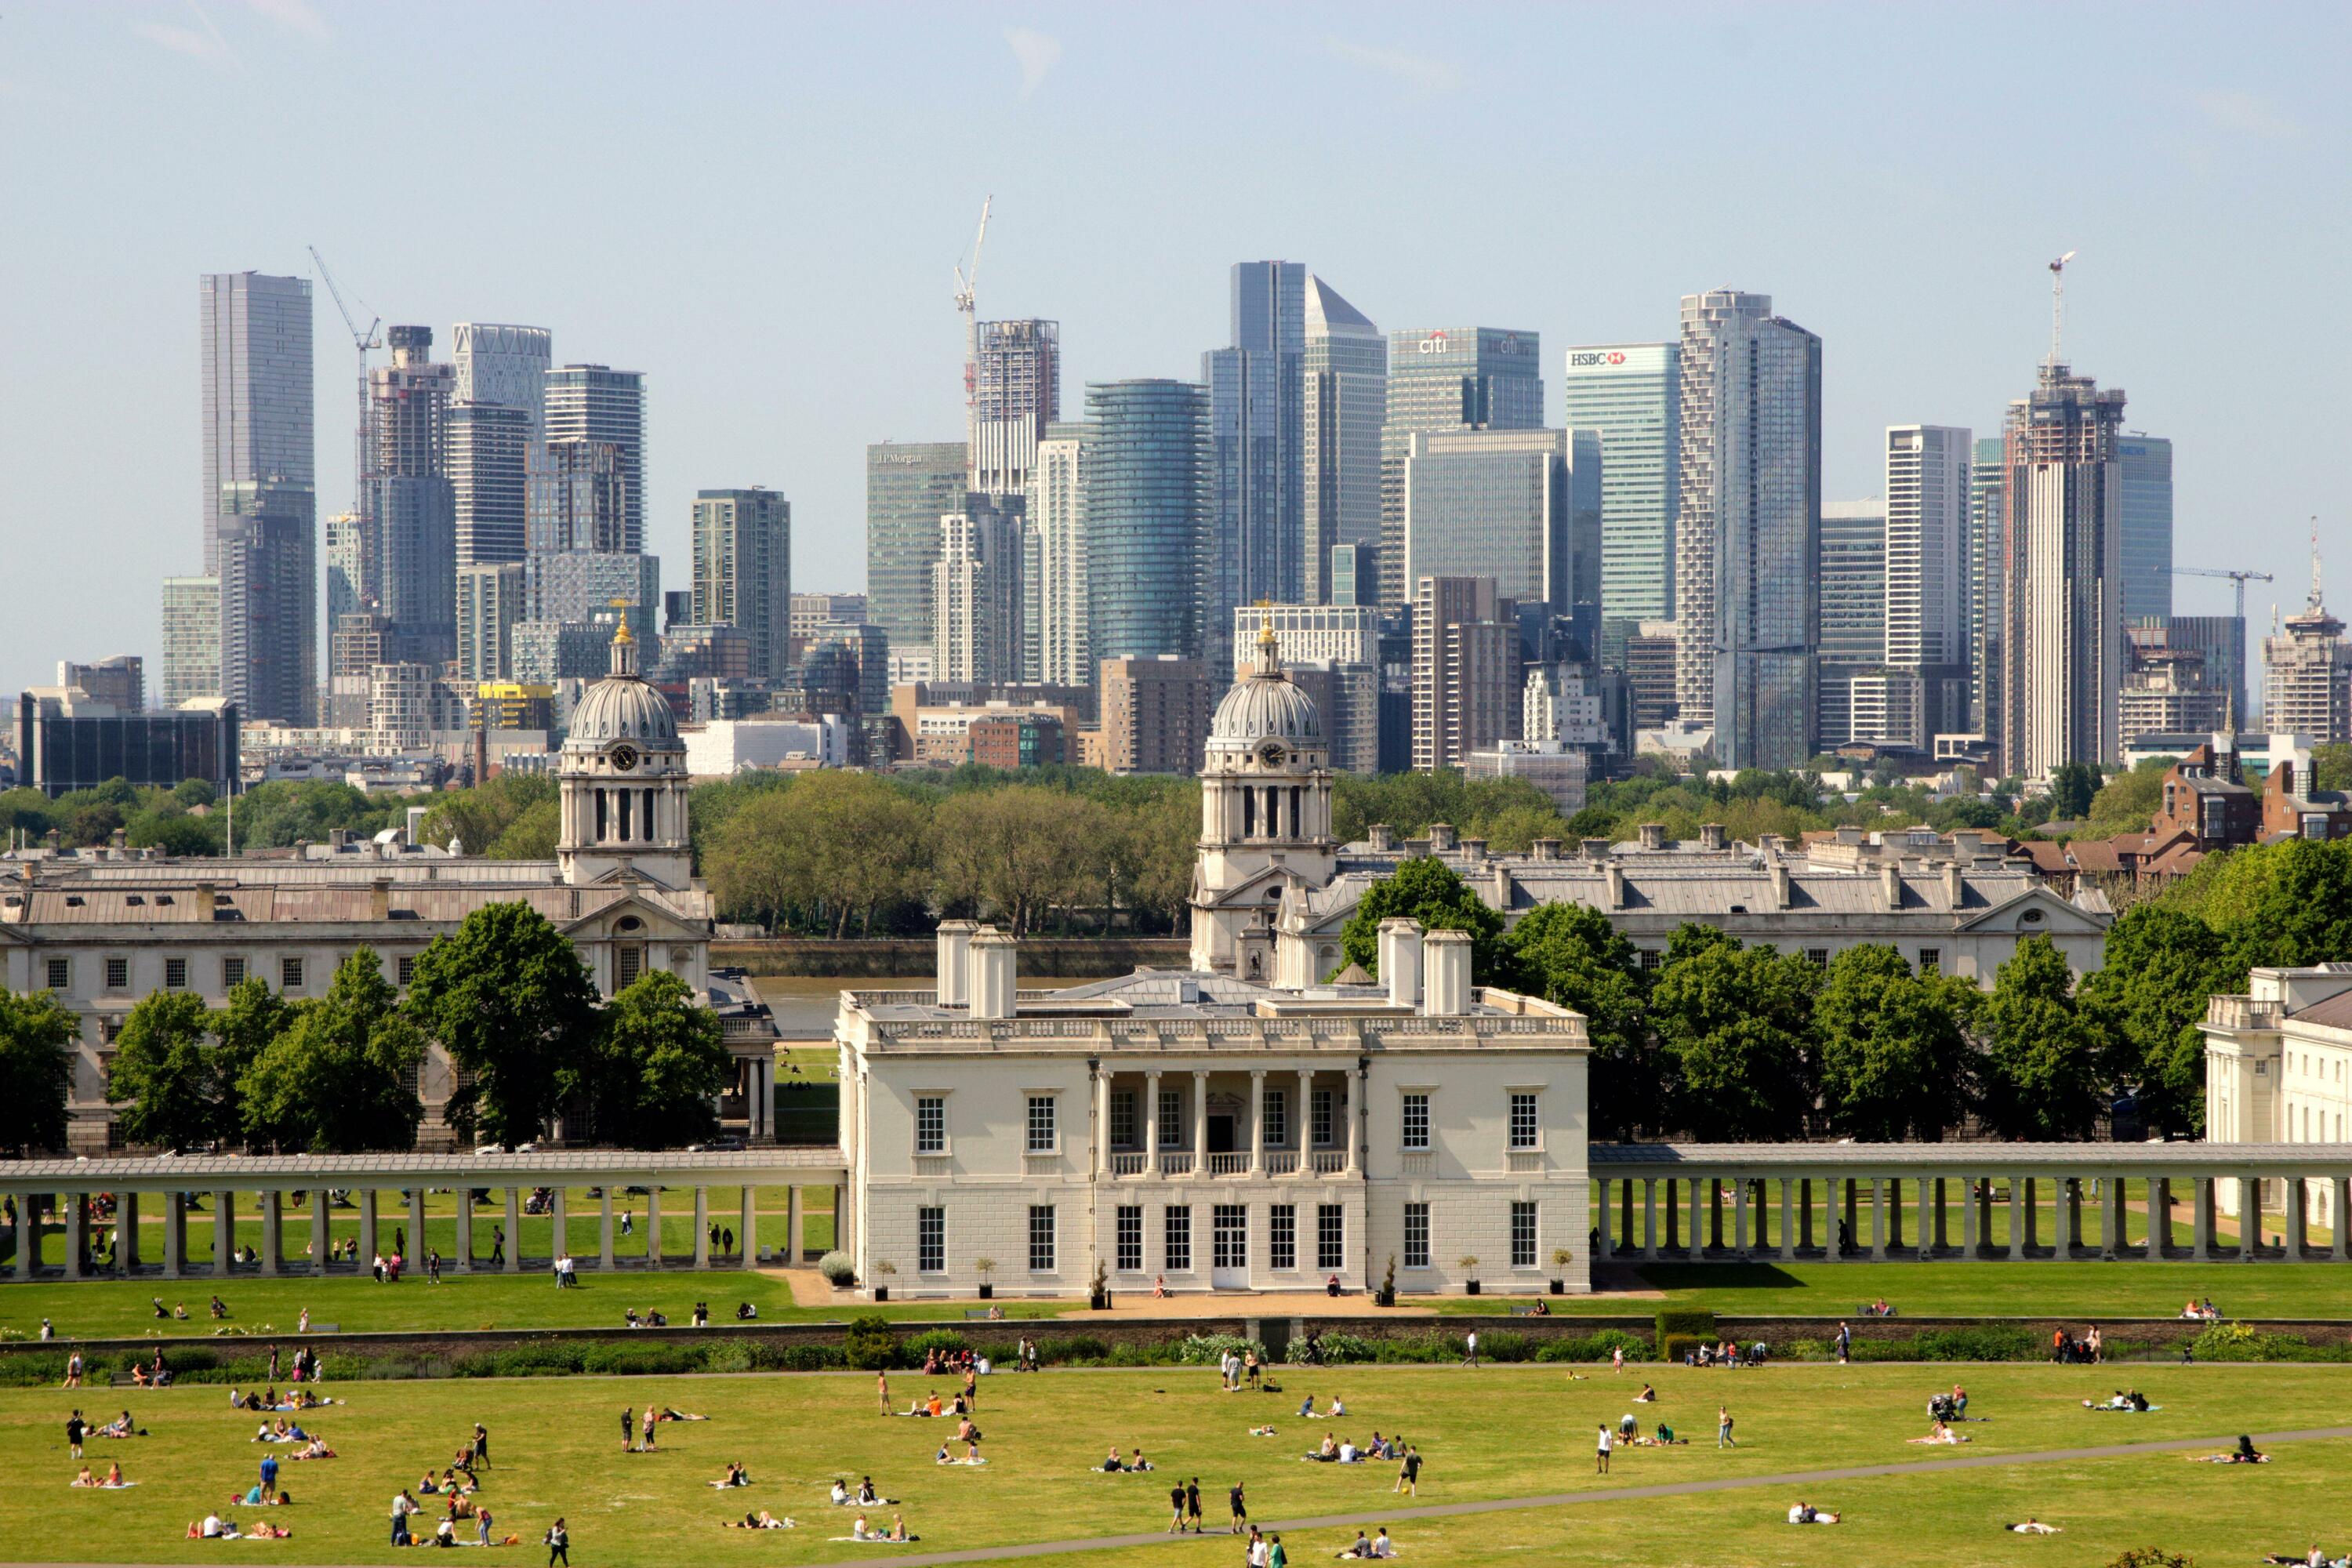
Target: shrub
[1686,1322]
[795,1358]
[1073,1350]
[1594,1347]
[2152,1557]
[1417,1348]
[944,1340]
[869,1345]
[836,1268]
[1990,1342]
[2241,1341]
[1675,1347]
[1340,1349]
[727,1358]
[1205,1349]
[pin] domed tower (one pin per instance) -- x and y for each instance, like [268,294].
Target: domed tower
[1265,815]
[623,782]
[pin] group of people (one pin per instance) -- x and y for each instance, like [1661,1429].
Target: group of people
[1335,1450]
[2201,1311]
[2122,1399]
[2087,1349]
[78,1429]
[1240,1369]
[1726,1353]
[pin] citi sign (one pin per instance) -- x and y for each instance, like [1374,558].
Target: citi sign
[1592,359]
[1435,343]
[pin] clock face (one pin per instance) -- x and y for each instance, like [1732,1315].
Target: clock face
[624,758]
[1270,754]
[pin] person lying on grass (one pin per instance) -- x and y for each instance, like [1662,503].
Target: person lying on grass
[2244,1453]
[667,1414]
[251,1498]
[121,1427]
[1806,1513]
[762,1519]
[2314,1558]
[1939,1433]
[2031,1526]
[1664,1439]
[2135,1401]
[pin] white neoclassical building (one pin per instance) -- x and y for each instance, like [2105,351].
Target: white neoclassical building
[2278,1069]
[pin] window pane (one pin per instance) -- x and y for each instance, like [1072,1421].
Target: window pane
[1131,1239]
[1282,1236]
[1416,1236]
[1040,1124]
[1041,1238]
[1277,1118]
[1523,1236]
[930,1241]
[1172,1119]
[1523,1120]
[1178,1225]
[1322,1119]
[1416,1122]
[1122,1118]
[1330,1236]
[931,1124]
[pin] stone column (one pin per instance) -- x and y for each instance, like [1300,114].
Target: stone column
[701,1225]
[1943,1233]
[1352,1122]
[1788,1247]
[465,1229]
[2020,1218]
[2159,1217]
[28,1236]
[1739,1217]
[1970,1200]
[1600,1218]
[793,1249]
[1258,1122]
[2061,1190]
[1101,1161]
[322,1229]
[2336,1220]
[561,1219]
[653,1224]
[2298,1211]
[416,1250]
[273,1218]
[514,1230]
[224,1231]
[1151,1125]
[1305,1122]
[1199,1124]
[1878,1219]
[2201,1220]
[77,1234]
[605,1230]
[126,1233]
[175,1235]
[1650,1218]
[2250,1218]
[747,1242]
[367,1227]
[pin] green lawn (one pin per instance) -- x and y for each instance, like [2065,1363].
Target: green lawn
[1501,1432]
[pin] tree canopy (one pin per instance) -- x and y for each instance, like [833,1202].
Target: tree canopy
[1894,1051]
[1734,1027]
[2042,1059]
[507,999]
[166,1069]
[1570,954]
[36,1041]
[1426,890]
[341,1077]
[659,1062]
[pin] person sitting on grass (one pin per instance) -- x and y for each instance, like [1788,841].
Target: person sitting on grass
[736,1476]
[1327,1454]
[867,1497]
[1806,1513]
[2314,1558]
[1938,1433]
[213,1527]
[1648,1395]
[1665,1438]
[760,1520]
[114,1482]
[1306,1408]
[265,1531]
[316,1449]
[2031,1526]
[745,1312]
[251,1498]
[1112,1465]
[2245,1453]
[445,1532]
[85,1479]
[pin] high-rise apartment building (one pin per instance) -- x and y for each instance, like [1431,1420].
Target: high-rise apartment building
[579,499]
[1851,570]
[2062,566]
[1016,391]
[505,365]
[977,593]
[908,488]
[347,565]
[492,598]
[2220,641]
[2144,465]
[1928,481]
[1448,378]
[1148,514]
[743,571]
[192,639]
[2307,672]
[597,404]
[1156,710]
[1465,670]
[259,501]
[579,585]
[1523,507]
[810,611]
[1650,674]
[256,361]
[1988,521]
[268,599]
[409,535]
[1344,399]
[1632,394]
[1748,521]
[1057,521]
[490,453]
[1256,429]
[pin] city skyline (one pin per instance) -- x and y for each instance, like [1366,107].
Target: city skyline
[766,368]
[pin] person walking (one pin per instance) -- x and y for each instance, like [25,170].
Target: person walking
[76,1427]
[559,1544]
[268,1477]
[1470,1347]
[970,1388]
[1408,1480]
[1617,1360]
[727,1241]
[1723,1438]
[628,1430]
[1176,1509]
[1240,1506]
[1844,1341]
[1275,1557]
[1193,1503]
[497,1244]
[400,1509]
[481,1445]
[1601,1451]
[882,1387]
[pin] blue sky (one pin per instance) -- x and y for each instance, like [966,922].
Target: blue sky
[759,206]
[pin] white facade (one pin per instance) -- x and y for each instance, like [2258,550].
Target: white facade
[2278,1069]
[1926,543]
[723,747]
[1307,634]
[505,365]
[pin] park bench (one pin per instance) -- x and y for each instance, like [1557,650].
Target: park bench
[123,1380]
[1526,1312]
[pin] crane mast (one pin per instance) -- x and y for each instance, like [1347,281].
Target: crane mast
[363,339]
[967,287]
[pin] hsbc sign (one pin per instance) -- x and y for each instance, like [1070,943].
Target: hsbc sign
[1595,359]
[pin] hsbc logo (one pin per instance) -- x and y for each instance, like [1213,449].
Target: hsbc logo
[1595,359]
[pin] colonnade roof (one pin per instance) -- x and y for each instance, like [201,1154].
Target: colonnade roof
[1661,1159]
[205,1173]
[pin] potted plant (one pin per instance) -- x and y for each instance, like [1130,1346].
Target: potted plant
[1098,1293]
[883,1270]
[1386,1296]
[1560,1257]
[1469,1266]
[986,1267]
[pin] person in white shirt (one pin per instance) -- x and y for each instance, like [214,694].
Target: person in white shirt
[1600,1454]
[1470,1347]
[215,1527]
[1348,1451]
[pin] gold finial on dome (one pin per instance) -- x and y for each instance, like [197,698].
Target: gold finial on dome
[1269,650]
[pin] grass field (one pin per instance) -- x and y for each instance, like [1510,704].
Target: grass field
[1497,1433]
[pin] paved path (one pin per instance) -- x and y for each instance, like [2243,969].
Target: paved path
[1801,1479]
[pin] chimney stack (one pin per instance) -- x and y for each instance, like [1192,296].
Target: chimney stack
[1890,882]
[1382,837]
[1399,956]
[380,899]
[1547,849]
[994,970]
[954,946]
[1955,883]
[1597,851]
[1441,837]
[1446,994]
[1616,884]
[1474,849]
[1711,836]
[1653,835]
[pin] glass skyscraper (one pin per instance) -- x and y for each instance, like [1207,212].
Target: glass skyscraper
[909,486]
[1988,510]
[1148,514]
[1448,378]
[598,404]
[1631,393]
[2145,463]
[1345,399]
[1256,428]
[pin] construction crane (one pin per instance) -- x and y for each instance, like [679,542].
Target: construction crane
[967,287]
[363,339]
[2240,578]
[2058,302]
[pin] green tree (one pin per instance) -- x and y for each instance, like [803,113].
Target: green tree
[1570,954]
[476,817]
[2126,801]
[37,1043]
[175,832]
[533,834]
[2284,904]
[2331,766]
[242,1030]
[340,1081]
[660,1061]
[2041,1060]
[1732,1023]
[1895,1058]
[507,999]
[165,1076]
[1426,890]
[1014,853]
[2146,1000]
[2073,786]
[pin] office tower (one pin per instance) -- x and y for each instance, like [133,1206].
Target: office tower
[492,597]
[908,488]
[811,611]
[1016,391]
[2219,641]
[68,740]
[743,571]
[1465,670]
[1255,428]
[346,561]
[1355,575]
[491,447]
[192,639]
[1650,674]
[268,601]
[258,421]
[2062,561]
[1523,507]
[1156,708]
[977,591]
[2307,673]
[1747,521]
[593,402]
[1631,394]
[1927,536]
[1343,403]
[505,365]
[582,584]
[1988,518]
[119,682]
[409,537]
[2144,463]
[2165,691]
[1148,500]
[1852,573]
[579,499]
[1057,517]
[1448,378]
[1304,634]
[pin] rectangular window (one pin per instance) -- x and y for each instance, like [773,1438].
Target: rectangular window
[1416,1236]
[1931,960]
[930,1241]
[1040,1124]
[1277,1118]
[1172,1119]
[1177,1237]
[1041,1238]
[1523,1119]
[1416,1120]
[289,975]
[118,974]
[60,973]
[232,973]
[1330,1236]
[1819,957]
[628,962]
[1282,1236]
[1131,1239]
[404,967]
[1322,1119]
[175,974]
[1523,1236]
[1230,1237]
[1653,958]
[1122,1119]
[931,1124]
